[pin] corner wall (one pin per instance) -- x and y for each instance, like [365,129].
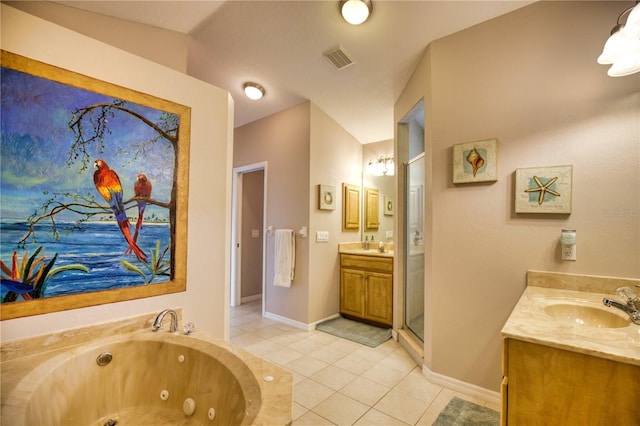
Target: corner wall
[303,147]
[282,140]
[204,301]
[336,158]
[530,79]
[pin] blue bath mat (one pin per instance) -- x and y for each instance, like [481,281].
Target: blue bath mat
[355,331]
[464,413]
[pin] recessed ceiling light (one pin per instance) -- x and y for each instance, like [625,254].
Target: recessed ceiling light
[253,91]
[355,12]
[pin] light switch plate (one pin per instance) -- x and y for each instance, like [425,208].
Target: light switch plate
[255,233]
[322,236]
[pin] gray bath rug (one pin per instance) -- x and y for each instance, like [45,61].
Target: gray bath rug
[355,331]
[464,413]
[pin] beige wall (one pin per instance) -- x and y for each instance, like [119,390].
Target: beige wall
[530,79]
[303,147]
[282,140]
[336,157]
[210,161]
[165,47]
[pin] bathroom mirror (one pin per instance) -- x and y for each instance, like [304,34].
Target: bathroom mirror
[378,194]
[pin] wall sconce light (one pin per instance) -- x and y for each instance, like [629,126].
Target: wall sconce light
[356,12]
[253,91]
[622,49]
[382,166]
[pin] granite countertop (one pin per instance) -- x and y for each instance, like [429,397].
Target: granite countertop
[529,322]
[356,248]
[370,252]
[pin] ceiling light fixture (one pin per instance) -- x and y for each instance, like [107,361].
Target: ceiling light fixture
[356,12]
[253,91]
[622,49]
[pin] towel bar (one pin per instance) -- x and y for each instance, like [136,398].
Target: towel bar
[301,232]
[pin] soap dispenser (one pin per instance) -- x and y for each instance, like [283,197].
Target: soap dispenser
[366,243]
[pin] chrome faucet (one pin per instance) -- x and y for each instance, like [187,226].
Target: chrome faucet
[631,305]
[629,297]
[157,323]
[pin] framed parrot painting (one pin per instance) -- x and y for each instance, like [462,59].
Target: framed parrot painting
[93,191]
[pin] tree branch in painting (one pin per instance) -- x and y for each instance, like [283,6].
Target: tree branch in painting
[87,209]
[98,116]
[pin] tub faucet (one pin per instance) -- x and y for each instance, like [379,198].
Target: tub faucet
[173,327]
[628,308]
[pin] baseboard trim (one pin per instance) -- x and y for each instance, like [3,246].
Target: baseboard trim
[248,299]
[462,387]
[285,320]
[297,324]
[330,317]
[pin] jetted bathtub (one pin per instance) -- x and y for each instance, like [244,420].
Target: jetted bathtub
[147,378]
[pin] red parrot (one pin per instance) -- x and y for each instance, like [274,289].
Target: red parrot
[142,188]
[108,185]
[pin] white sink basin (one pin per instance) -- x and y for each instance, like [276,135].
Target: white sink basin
[588,316]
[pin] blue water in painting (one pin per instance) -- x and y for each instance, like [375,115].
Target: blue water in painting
[97,245]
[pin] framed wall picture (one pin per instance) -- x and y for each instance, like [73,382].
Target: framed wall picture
[388,206]
[544,189]
[326,197]
[475,161]
[80,223]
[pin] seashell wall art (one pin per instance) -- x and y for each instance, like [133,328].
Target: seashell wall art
[475,161]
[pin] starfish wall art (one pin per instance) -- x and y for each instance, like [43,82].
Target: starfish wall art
[544,189]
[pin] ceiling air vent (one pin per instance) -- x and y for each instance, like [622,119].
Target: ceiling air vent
[338,57]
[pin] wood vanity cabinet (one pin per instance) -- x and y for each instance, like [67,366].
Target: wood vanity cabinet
[544,385]
[366,288]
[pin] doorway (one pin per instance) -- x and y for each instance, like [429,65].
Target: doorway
[248,217]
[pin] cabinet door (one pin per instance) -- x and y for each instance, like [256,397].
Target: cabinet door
[352,292]
[371,208]
[350,207]
[379,298]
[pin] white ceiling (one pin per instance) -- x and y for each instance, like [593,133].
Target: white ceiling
[280,44]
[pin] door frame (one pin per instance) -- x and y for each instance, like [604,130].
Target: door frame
[236,231]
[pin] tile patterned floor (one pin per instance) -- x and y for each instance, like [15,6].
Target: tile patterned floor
[339,382]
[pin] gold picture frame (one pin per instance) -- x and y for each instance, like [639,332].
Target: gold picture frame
[93,111]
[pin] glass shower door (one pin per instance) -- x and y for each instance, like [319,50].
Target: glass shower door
[414,247]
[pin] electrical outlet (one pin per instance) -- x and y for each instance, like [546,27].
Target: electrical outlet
[569,252]
[322,236]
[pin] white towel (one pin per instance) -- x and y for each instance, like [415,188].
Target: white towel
[284,257]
